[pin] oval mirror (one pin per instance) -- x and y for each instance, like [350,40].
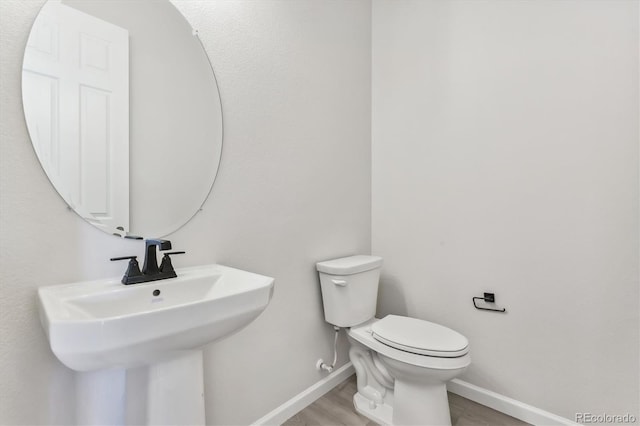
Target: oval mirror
[123,111]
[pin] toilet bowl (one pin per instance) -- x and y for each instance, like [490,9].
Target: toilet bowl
[402,364]
[398,387]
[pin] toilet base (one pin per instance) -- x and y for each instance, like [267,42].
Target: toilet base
[379,413]
[421,404]
[435,412]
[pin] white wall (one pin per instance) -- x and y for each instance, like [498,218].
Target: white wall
[295,84]
[505,159]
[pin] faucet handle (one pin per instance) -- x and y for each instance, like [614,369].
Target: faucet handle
[123,258]
[133,269]
[166,266]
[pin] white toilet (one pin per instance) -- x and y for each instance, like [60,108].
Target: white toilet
[402,364]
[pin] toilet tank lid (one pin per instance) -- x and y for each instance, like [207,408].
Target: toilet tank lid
[349,265]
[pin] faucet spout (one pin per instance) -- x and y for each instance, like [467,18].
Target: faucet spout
[150,266]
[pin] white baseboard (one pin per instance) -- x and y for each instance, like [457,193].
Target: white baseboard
[306,397]
[511,407]
[506,405]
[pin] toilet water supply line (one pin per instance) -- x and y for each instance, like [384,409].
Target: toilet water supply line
[320,365]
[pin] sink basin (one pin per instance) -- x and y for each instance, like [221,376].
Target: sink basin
[104,324]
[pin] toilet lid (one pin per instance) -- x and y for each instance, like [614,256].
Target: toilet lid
[419,337]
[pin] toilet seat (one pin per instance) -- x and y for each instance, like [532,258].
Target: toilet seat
[419,337]
[363,334]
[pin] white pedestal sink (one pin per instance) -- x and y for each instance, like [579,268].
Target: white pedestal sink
[95,326]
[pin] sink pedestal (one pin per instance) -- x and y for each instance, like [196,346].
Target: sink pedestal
[100,397]
[176,391]
[169,392]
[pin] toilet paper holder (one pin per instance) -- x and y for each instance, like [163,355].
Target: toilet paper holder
[489,298]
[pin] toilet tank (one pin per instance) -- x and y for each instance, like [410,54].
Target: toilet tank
[349,289]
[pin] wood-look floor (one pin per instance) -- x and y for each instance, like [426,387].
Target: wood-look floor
[336,408]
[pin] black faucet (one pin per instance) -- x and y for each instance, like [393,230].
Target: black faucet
[150,266]
[150,270]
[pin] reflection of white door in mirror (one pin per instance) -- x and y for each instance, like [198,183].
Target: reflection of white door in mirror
[81,62]
[124,112]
